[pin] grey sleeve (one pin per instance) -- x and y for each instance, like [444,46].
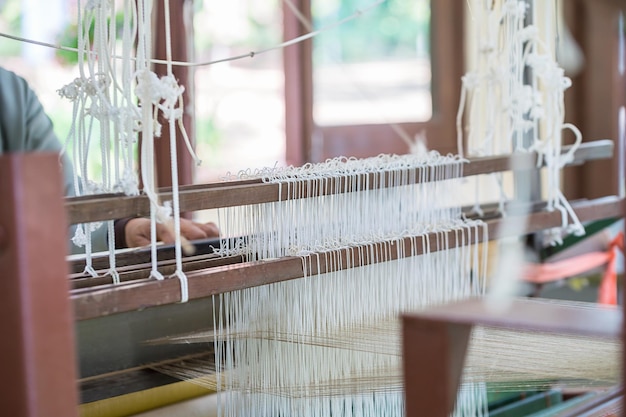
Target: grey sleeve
[25,127]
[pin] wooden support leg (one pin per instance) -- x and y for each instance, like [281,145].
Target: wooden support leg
[37,343]
[433,352]
[436,341]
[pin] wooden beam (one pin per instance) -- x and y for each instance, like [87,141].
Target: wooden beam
[110,299]
[37,349]
[433,354]
[298,69]
[533,315]
[230,194]
[435,341]
[597,92]
[180,23]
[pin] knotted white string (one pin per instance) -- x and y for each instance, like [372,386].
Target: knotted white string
[332,214]
[503,111]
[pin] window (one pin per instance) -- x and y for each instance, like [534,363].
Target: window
[329,116]
[290,106]
[375,68]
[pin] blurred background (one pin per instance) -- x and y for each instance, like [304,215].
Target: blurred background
[374,69]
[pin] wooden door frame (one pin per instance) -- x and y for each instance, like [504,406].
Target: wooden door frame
[307,142]
[597,92]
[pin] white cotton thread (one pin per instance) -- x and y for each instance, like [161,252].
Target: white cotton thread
[302,321]
[501,109]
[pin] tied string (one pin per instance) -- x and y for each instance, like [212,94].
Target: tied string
[164,94]
[501,111]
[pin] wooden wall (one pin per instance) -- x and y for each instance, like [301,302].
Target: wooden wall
[598,91]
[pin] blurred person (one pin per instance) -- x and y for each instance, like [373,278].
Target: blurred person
[25,127]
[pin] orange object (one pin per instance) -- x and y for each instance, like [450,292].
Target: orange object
[548,272]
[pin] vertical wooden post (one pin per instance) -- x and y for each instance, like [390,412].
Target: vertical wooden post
[597,93]
[298,68]
[433,353]
[180,52]
[37,343]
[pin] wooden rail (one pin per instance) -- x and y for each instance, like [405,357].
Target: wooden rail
[102,300]
[37,351]
[435,342]
[239,193]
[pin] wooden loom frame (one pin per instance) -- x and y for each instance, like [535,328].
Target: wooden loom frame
[435,343]
[50,391]
[37,351]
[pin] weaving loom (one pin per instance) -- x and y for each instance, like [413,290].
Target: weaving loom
[99,299]
[355,274]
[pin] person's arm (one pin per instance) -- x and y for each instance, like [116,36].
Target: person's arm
[134,232]
[25,127]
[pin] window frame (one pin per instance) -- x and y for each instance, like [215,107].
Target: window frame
[308,142]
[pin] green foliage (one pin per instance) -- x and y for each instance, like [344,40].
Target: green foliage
[11,20]
[12,15]
[390,30]
[209,142]
[207,131]
[69,38]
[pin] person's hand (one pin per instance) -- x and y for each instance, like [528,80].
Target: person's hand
[137,231]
